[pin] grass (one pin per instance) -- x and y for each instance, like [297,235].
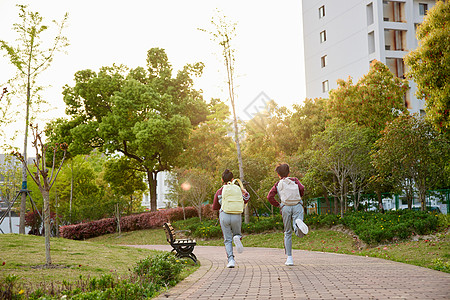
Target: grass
[433,254]
[24,256]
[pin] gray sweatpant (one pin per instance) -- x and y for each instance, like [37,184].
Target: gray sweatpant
[290,214]
[231,226]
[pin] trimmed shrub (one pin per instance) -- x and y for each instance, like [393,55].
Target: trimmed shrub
[147,220]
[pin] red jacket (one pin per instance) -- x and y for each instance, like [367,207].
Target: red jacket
[273,191]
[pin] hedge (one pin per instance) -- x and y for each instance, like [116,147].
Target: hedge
[141,221]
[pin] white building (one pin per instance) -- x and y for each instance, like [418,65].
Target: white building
[341,38]
[162,189]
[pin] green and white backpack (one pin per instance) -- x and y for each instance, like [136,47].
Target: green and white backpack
[232,201]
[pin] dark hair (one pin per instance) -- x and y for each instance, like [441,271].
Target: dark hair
[227,176]
[282,170]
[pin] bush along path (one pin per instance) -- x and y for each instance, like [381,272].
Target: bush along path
[412,237]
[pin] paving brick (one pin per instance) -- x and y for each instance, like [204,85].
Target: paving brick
[260,273]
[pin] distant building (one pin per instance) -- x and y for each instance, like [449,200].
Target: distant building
[341,38]
[162,190]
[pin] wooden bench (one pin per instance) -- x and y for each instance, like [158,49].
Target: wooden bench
[183,247]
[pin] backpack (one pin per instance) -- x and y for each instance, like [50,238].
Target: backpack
[232,201]
[288,192]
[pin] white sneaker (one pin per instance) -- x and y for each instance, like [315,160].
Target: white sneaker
[238,243]
[231,263]
[302,226]
[289,261]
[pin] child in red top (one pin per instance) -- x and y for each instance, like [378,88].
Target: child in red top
[230,222]
[290,191]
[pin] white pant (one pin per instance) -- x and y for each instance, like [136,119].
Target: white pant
[231,226]
[290,214]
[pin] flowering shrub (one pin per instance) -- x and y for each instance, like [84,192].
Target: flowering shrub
[147,220]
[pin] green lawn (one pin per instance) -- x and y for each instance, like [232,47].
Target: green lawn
[24,256]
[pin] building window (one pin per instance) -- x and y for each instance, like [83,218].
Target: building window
[371,40]
[423,8]
[323,61]
[396,66]
[369,10]
[394,11]
[321,11]
[323,36]
[395,40]
[325,87]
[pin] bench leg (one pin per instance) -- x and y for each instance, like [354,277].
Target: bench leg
[185,252]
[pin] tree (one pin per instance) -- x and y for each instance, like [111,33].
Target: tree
[31,57]
[374,100]
[146,115]
[5,116]
[83,195]
[429,65]
[412,154]
[223,34]
[44,179]
[340,150]
[269,135]
[192,186]
[307,120]
[209,142]
[126,183]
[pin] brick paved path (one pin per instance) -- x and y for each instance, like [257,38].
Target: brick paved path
[260,273]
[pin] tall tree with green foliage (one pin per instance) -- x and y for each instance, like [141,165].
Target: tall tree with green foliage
[307,120]
[31,56]
[126,183]
[377,98]
[412,154]
[209,142]
[144,114]
[429,65]
[269,135]
[340,151]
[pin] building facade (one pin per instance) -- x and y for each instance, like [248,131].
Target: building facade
[341,38]
[162,190]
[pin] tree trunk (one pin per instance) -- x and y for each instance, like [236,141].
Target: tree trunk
[23,199]
[345,196]
[199,210]
[423,198]
[71,190]
[152,184]
[355,196]
[118,218]
[380,201]
[47,229]
[56,213]
[239,155]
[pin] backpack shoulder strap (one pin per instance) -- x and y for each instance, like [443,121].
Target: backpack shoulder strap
[240,183]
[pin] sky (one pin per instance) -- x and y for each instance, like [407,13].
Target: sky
[268,43]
